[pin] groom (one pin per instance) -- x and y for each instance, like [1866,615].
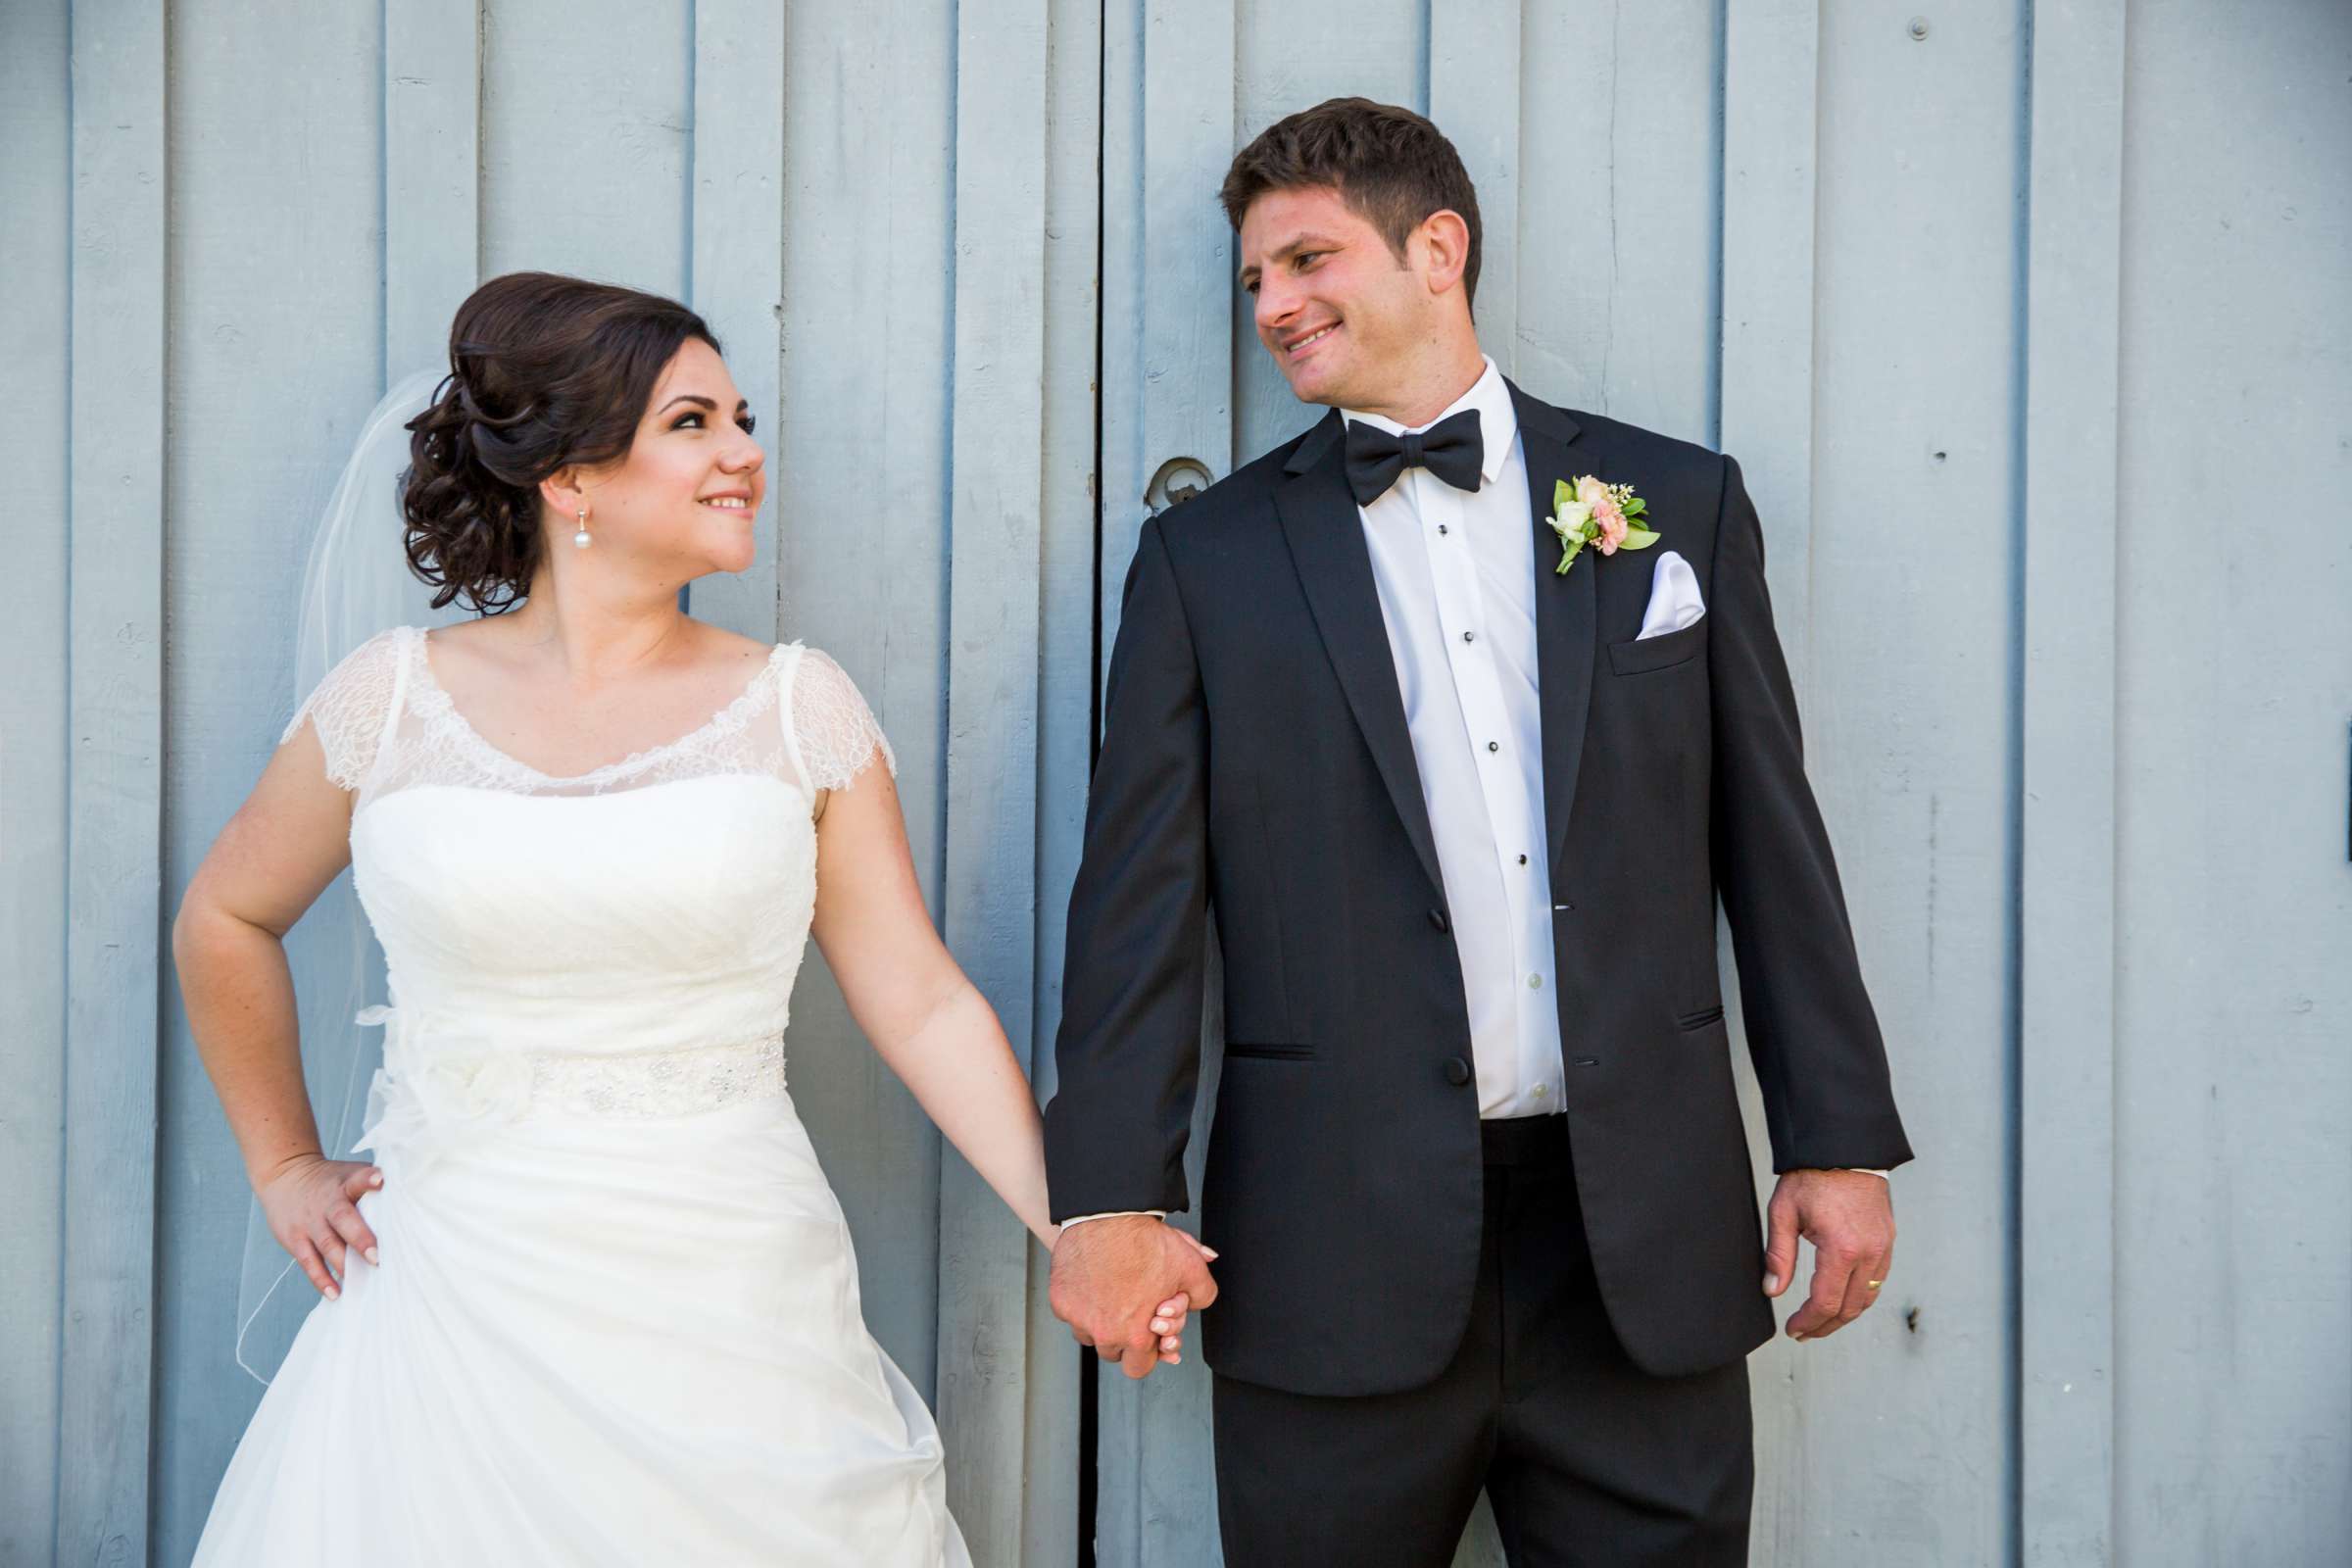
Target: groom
[1463,817]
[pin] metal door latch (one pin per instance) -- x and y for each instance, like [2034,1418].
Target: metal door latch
[1176,481]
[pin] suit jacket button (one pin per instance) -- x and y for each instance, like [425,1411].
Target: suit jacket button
[1458,1071]
[1436,917]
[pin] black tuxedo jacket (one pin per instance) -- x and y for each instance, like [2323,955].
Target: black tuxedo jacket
[1255,762]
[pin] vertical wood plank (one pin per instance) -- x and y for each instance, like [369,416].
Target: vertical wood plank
[115,776]
[587,134]
[1772,62]
[2067,865]
[736,263]
[1891,1443]
[1474,76]
[1168,391]
[1363,48]
[1071,301]
[868,276]
[1772,83]
[36,190]
[1619,315]
[432,163]
[275,355]
[2234,685]
[989,890]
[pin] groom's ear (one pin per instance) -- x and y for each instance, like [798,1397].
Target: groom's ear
[1441,245]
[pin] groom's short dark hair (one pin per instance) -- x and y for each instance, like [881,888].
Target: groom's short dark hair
[1389,164]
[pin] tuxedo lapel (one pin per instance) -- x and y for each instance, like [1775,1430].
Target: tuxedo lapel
[1566,617]
[1326,536]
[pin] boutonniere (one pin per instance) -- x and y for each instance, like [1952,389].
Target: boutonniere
[1590,513]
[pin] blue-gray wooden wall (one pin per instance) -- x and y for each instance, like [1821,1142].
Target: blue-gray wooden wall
[228,225]
[2032,327]
[2028,322]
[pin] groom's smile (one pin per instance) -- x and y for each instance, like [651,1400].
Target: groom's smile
[1298,345]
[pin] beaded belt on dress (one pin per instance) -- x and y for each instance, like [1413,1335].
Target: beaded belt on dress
[419,1098]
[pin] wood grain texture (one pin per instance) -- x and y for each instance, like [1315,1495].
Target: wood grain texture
[1618,227]
[1771,117]
[1894,1442]
[432,164]
[2065,1088]
[2232,1221]
[861,494]
[736,261]
[1369,48]
[114,749]
[990,917]
[1972,342]
[1474,56]
[275,355]
[1169,326]
[1070,302]
[36,257]
[588,139]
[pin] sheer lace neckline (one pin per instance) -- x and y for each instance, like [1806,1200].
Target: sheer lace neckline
[432,704]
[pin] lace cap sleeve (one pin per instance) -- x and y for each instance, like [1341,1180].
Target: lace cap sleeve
[349,707]
[833,732]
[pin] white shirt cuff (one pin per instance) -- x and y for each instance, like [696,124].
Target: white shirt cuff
[1880,1174]
[1114,1214]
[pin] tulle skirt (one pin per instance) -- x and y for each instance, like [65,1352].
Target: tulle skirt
[593,1341]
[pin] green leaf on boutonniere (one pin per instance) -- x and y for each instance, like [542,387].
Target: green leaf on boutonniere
[1637,538]
[1636,507]
[1561,494]
[1568,552]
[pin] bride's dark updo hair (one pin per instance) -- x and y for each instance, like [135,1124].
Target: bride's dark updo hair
[546,373]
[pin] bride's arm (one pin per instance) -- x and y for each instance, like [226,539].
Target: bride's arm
[270,863]
[904,990]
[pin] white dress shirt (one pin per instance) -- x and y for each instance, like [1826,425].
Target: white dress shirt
[1456,579]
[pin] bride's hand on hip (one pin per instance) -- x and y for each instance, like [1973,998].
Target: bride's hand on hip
[311,1205]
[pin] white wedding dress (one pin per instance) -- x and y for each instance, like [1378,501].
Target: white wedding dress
[616,1319]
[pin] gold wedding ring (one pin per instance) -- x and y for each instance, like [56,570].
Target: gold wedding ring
[1874,1284]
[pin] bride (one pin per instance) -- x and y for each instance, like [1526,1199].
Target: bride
[593,1302]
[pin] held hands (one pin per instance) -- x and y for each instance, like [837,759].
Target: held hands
[1849,1218]
[1124,1286]
[311,1205]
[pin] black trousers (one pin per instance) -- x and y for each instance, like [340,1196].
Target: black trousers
[1587,1459]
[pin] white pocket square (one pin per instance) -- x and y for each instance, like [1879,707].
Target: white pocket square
[1674,601]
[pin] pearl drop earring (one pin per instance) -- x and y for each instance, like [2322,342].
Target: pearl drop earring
[581,538]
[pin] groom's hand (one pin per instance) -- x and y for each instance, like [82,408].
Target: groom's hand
[1111,1275]
[1849,1218]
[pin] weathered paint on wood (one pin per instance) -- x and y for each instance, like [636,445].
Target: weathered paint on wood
[997,436]
[2232,1220]
[114,747]
[861,495]
[2067,862]
[735,264]
[587,139]
[275,355]
[1170,76]
[1065,698]
[1921,264]
[432,166]
[36,149]
[1771,58]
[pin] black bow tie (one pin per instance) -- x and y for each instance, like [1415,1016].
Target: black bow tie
[1453,448]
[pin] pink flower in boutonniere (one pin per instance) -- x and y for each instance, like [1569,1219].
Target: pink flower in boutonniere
[1607,517]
